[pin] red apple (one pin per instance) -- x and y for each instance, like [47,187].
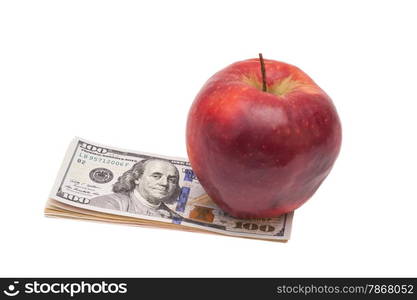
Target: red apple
[262,153]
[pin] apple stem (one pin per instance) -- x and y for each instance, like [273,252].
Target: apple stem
[261,59]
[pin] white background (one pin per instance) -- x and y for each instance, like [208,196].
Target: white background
[125,73]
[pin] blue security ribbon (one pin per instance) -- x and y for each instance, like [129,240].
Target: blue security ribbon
[185,190]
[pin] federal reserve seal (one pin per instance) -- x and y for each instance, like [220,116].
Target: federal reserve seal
[101,175]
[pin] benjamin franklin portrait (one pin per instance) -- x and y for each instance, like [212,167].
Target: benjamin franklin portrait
[144,189]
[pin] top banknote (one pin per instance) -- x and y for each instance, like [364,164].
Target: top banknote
[150,187]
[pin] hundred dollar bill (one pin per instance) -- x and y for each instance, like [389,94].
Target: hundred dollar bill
[102,183]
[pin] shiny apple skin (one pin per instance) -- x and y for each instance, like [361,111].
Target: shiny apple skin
[258,154]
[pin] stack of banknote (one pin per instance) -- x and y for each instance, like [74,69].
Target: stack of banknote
[101,183]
